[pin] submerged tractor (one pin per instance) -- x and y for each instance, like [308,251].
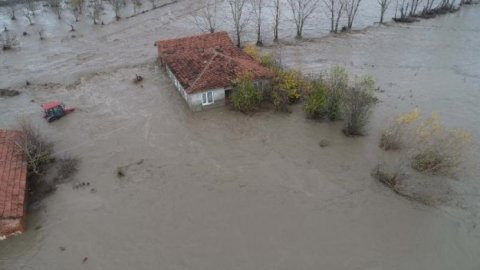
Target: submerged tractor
[55,110]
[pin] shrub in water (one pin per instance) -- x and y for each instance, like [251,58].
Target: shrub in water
[357,105]
[336,81]
[293,83]
[37,150]
[279,99]
[437,149]
[316,103]
[246,96]
[432,148]
[395,136]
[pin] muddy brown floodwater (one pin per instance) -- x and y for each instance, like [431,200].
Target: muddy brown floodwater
[222,190]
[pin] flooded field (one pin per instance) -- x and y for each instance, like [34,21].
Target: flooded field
[223,190]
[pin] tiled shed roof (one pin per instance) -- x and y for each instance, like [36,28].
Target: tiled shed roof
[208,61]
[13,175]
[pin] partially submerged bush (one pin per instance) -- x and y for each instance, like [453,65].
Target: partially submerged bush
[37,150]
[432,148]
[393,138]
[293,83]
[279,99]
[246,96]
[282,91]
[39,155]
[337,84]
[288,87]
[357,105]
[316,102]
[389,175]
[8,41]
[437,149]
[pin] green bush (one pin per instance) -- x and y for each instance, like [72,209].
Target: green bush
[337,84]
[268,60]
[292,82]
[316,103]
[246,96]
[357,105]
[279,98]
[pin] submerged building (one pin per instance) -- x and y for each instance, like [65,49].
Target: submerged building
[204,67]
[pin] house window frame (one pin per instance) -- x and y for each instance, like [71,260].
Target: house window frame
[205,98]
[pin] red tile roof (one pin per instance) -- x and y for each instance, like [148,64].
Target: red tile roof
[13,176]
[208,61]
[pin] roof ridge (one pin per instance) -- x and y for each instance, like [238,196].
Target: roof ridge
[175,39]
[238,59]
[203,70]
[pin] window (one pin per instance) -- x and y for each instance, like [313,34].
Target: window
[207,98]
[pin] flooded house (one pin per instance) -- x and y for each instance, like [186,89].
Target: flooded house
[13,182]
[204,67]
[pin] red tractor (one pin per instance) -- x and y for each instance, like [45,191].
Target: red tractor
[55,110]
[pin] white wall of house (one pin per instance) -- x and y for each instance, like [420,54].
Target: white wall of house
[177,83]
[195,100]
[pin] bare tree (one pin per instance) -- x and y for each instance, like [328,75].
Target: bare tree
[56,7]
[206,18]
[237,8]
[277,4]
[37,150]
[136,4]
[72,26]
[446,4]
[30,5]
[8,40]
[96,11]
[77,8]
[413,6]
[41,34]
[429,5]
[402,7]
[334,9]
[154,6]
[28,14]
[351,8]
[383,7]
[11,11]
[117,5]
[258,6]
[301,10]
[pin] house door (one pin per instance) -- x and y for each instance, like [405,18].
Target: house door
[228,95]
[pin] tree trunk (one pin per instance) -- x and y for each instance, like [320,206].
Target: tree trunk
[259,35]
[299,32]
[275,32]
[332,19]
[238,39]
